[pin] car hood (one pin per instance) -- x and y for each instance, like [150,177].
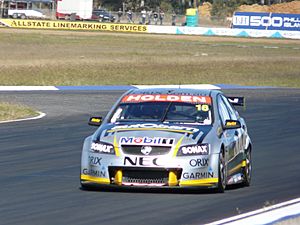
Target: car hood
[151,133]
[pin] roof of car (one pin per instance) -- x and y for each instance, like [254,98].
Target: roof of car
[175,91]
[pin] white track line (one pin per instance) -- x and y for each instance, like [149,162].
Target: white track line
[41,115]
[28,88]
[265,215]
[193,86]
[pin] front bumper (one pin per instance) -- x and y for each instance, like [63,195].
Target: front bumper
[165,172]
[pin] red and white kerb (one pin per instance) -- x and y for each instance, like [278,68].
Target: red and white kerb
[166,98]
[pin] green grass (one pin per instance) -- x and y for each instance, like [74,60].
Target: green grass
[10,111]
[95,58]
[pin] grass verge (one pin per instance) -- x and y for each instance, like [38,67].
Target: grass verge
[9,111]
[96,58]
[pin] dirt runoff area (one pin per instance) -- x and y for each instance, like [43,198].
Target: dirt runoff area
[286,7]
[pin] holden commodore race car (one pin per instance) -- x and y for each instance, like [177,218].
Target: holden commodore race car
[169,138]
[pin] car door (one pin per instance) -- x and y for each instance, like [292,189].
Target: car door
[227,135]
[236,149]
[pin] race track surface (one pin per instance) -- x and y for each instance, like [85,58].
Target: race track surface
[40,163]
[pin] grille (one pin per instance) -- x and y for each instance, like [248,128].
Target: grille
[136,150]
[145,177]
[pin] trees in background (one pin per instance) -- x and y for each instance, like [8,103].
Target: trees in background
[167,5]
[221,8]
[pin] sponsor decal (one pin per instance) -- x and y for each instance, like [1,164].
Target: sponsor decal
[166,98]
[199,162]
[203,108]
[102,148]
[128,28]
[198,175]
[146,141]
[94,173]
[141,161]
[202,149]
[68,25]
[266,21]
[231,123]
[151,126]
[95,161]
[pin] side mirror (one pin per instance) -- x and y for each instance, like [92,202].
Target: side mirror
[95,121]
[232,124]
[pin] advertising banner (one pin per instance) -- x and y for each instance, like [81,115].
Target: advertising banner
[66,25]
[266,21]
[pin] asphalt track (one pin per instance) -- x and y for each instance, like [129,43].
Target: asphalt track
[40,160]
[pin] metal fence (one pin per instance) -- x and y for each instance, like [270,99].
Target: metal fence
[168,20]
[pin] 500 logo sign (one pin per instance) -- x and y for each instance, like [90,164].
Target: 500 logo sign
[266,21]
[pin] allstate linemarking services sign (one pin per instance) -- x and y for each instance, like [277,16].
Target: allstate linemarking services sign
[62,25]
[266,21]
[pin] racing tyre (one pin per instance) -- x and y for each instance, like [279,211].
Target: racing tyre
[222,174]
[247,170]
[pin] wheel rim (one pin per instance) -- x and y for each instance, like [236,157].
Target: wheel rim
[248,168]
[222,171]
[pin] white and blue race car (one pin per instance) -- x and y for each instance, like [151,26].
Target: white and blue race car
[169,138]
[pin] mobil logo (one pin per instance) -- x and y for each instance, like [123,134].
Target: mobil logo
[146,141]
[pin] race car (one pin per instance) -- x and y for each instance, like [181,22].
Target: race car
[169,137]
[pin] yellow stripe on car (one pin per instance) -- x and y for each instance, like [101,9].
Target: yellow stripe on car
[95,179]
[177,146]
[202,182]
[116,147]
[238,167]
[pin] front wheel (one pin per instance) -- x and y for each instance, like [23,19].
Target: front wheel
[222,173]
[247,170]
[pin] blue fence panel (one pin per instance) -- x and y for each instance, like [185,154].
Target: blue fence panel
[266,21]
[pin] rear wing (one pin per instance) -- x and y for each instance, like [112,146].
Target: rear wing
[237,101]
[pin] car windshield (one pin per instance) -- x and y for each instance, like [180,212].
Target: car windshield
[181,112]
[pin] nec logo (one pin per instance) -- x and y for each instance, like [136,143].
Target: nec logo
[257,21]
